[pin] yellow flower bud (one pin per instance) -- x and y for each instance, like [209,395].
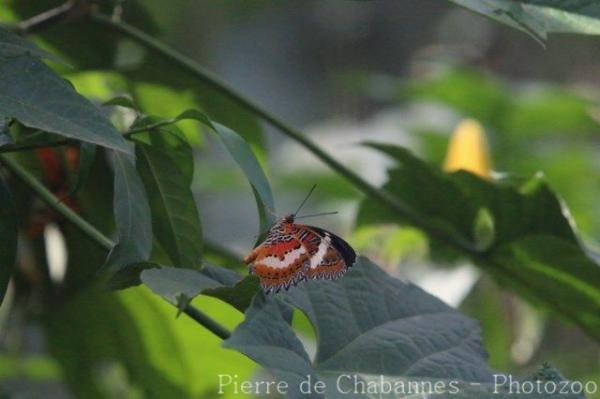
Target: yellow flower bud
[468,149]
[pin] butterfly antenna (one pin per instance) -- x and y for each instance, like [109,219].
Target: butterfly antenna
[305,199]
[317,214]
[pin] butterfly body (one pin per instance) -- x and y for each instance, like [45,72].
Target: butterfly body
[294,252]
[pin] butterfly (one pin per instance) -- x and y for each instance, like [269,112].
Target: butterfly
[292,253]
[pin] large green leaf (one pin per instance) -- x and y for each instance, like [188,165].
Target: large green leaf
[132,216]
[175,285]
[33,94]
[366,323]
[453,201]
[541,17]
[370,327]
[8,237]
[175,219]
[530,229]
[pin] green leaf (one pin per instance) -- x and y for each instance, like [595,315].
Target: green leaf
[97,331]
[173,283]
[267,338]
[530,229]
[132,216]
[243,155]
[87,153]
[175,219]
[33,94]
[366,323]
[12,45]
[195,115]
[8,237]
[541,264]
[135,333]
[95,205]
[164,102]
[452,201]
[121,101]
[370,327]
[541,17]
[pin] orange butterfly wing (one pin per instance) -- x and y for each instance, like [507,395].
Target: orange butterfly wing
[292,253]
[280,260]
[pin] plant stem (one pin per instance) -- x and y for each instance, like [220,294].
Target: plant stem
[151,126]
[54,203]
[207,322]
[211,79]
[90,231]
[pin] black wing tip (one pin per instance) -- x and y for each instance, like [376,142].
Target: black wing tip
[345,249]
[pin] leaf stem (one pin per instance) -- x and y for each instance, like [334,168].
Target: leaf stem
[151,126]
[207,322]
[50,199]
[90,231]
[223,87]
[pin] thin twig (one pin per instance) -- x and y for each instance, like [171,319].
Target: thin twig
[90,231]
[47,18]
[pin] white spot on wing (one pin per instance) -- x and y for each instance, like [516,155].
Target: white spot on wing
[274,261]
[318,257]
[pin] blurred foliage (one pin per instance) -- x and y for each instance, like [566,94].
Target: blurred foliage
[531,128]
[130,344]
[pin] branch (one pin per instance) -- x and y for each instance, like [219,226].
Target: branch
[67,10]
[207,322]
[62,142]
[30,181]
[90,231]
[199,72]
